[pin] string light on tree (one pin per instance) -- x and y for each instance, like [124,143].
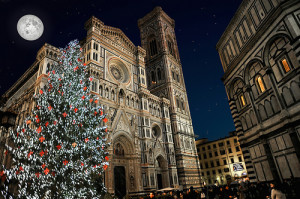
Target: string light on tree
[54,153]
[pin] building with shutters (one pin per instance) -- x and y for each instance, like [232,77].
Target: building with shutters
[221,161]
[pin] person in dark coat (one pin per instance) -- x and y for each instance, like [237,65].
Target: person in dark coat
[227,193]
[191,193]
[221,193]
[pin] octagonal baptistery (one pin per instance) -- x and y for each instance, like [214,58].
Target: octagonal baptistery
[259,51]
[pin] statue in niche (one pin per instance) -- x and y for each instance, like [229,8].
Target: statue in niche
[150,156]
[134,123]
[111,114]
[118,150]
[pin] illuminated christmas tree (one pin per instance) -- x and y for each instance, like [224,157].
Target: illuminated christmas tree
[59,151]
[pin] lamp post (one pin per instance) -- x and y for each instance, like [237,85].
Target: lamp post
[7,120]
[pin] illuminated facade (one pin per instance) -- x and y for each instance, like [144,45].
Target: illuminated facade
[139,87]
[259,52]
[221,160]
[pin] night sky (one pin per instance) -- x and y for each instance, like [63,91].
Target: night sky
[198,26]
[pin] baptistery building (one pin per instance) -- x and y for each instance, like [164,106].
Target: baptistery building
[143,93]
[260,55]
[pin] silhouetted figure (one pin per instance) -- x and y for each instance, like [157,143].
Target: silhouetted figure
[221,193]
[252,191]
[276,192]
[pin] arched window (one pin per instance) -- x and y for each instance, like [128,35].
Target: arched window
[280,55]
[177,102]
[242,100]
[94,86]
[260,84]
[48,66]
[100,90]
[152,46]
[171,47]
[182,105]
[285,65]
[127,100]
[158,74]
[238,94]
[150,109]
[113,95]
[153,77]
[106,93]
[177,77]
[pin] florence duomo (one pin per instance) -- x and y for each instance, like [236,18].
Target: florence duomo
[109,99]
[142,91]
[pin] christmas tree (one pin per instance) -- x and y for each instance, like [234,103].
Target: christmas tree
[59,151]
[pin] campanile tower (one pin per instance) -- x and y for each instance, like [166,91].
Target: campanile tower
[165,79]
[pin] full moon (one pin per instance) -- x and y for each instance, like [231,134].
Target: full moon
[30,27]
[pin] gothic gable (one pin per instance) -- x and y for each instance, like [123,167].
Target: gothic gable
[121,123]
[117,36]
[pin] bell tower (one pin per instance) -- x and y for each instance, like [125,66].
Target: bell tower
[165,79]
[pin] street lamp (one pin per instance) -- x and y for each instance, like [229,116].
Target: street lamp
[7,119]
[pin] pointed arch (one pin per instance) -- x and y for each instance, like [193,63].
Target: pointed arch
[266,51]
[113,95]
[269,109]
[233,82]
[248,67]
[248,121]
[274,103]
[152,45]
[244,125]
[253,118]
[295,89]
[159,74]
[262,112]
[101,90]
[125,141]
[287,96]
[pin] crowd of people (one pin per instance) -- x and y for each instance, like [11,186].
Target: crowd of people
[244,190]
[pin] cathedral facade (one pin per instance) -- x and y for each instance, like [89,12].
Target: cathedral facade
[143,94]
